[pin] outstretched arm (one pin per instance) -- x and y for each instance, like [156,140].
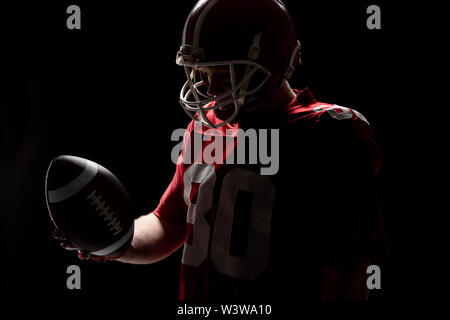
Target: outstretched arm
[153,240]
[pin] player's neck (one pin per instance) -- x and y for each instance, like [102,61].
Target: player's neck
[282,97]
[263,115]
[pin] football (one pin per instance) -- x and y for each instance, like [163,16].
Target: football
[89,206]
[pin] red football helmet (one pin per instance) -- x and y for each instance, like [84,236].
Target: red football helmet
[253,39]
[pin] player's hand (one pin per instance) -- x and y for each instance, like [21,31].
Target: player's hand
[64,243]
[82,255]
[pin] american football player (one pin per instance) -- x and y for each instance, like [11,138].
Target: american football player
[307,231]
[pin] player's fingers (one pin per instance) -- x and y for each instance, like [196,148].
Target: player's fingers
[67,245]
[97,258]
[83,255]
[57,235]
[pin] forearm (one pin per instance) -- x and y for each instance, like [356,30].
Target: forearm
[153,240]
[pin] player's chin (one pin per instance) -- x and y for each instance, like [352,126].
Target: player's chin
[224,112]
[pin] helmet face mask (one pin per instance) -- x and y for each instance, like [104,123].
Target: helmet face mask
[194,97]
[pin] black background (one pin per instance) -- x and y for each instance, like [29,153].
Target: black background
[109,93]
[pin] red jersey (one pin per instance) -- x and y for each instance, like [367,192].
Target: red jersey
[257,236]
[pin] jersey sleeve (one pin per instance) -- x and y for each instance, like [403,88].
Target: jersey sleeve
[350,161]
[171,207]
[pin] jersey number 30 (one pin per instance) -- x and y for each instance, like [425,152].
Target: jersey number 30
[262,192]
